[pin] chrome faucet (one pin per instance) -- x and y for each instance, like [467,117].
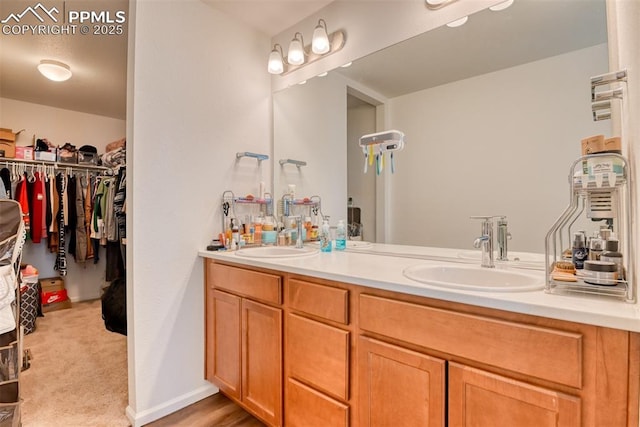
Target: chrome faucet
[485,241]
[298,219]
[503,237]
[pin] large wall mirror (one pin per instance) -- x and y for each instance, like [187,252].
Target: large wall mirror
[493,114]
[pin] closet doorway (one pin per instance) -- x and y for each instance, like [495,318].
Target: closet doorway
[89,109]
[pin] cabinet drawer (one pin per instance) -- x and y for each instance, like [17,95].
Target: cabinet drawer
[318,354]
[306,407]
[548,354]
[319,300]
[253,284]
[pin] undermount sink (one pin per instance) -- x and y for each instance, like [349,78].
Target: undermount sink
[351,244]
[277,252]
[474,278]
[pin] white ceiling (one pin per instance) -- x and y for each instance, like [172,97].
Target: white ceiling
[99,62]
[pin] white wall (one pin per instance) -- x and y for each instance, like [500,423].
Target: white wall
[497,144]
[198,94]
[83,281]
[361,120]
[314,132]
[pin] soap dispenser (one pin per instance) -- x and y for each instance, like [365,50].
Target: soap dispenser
[341,236]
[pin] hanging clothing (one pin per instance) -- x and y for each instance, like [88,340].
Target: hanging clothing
[61,258]
[110,224]
[72,220]
[5,176]
[88,209]
[38,206]
[81,225]
[54,196]
[23,199]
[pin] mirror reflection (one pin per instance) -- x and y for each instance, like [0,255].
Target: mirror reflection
[493,114]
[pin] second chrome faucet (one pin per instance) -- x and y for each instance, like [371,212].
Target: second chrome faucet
[485,241]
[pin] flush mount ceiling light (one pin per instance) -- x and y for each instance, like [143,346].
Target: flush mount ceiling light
[299,55]
[320,43]
[458,22]
[296,50]
[501,6]
[54,70]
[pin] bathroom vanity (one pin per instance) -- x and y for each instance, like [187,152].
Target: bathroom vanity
[344,339]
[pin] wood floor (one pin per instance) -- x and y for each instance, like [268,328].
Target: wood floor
[214,411]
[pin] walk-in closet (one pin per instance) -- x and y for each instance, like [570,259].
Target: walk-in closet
[63,160]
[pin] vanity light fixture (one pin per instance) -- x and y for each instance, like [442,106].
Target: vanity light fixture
[348,64]
[323,74]
[54,70]
[458,22]
[276,64]
[320,43]
[299,54]
[296,50]
[501,6]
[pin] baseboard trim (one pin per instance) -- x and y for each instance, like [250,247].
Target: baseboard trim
[138,419]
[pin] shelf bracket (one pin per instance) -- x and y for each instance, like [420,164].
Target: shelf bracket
[259,157]
[298,163]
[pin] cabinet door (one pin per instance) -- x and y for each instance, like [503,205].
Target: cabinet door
[262,360]
[225,349]
[400,387]
[481,399]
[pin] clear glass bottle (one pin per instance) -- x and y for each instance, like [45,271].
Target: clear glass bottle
[341,236]
[325,236]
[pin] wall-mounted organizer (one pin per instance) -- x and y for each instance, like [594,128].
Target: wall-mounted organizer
[376,145]
[307,206]
[601,100]
[600,192]
[244,208]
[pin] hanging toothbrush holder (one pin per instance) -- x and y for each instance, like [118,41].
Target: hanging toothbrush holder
[375,145]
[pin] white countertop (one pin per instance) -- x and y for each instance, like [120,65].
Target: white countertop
[380,266]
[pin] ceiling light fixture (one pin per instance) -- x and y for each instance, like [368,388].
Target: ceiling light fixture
[320,43]
[501,6]
[276,64]
[298,55]
[296,50]
[458,22]
[323,74]
[348,64]
[54,70]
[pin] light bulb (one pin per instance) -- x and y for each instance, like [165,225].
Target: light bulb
[275,65]
[320,42]
[296,51]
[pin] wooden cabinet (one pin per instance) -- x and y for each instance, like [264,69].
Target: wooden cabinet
[399,386]
[302,351]
[318,348]
[478,399]
[244,338]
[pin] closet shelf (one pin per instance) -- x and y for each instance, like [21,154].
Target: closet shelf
[56,165]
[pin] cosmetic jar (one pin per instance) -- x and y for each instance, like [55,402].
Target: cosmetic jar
[600,273]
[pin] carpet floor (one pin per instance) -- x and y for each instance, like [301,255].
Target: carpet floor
[78,373]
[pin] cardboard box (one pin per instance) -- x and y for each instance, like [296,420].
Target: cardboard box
[24,153]
[46,308]
[7,149]
[7,135]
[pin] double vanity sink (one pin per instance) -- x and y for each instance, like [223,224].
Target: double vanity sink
[459,273]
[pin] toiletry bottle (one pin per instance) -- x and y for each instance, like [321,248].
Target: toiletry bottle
[579,250]
[257,231]
[235,232]
[325,236]
[611,254]
[307,227]
[596,245]
[341,236]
